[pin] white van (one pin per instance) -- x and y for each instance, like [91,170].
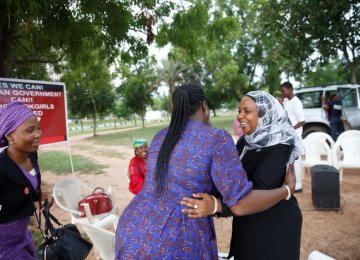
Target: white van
[316,119]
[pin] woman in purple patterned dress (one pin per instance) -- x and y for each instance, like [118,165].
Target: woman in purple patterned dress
[187,157]
[19,180]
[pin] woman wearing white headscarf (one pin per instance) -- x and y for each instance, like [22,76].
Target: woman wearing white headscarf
[267,148]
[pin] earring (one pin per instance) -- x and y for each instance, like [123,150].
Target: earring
[12,142]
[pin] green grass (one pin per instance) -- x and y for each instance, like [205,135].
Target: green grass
[59,163]
[98,130]
[36,235]
[125,137]
[75,129]
[98,152]
[224,122]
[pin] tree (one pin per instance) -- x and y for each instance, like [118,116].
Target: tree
[170,73]
[311,32]
[44,32]
[222,43]
[139,83]
[333,72]
[89,90]
[161,103]
[187,30]
[120,110]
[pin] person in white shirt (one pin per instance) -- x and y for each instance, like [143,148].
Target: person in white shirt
[295,110]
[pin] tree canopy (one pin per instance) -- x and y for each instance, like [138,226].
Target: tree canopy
[50,32]
[230,47]
[308,33]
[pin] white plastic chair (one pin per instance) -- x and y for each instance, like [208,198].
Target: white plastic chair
[350,147]
[316,255]
[103,241]
[314,149]
[224,256]
[68,192]
[349,133]
[321,136]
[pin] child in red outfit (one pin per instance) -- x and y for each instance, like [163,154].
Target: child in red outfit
[137,166]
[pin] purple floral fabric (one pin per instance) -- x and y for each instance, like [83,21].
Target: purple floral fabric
[152,226]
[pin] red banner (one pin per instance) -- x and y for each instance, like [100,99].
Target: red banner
[46,99]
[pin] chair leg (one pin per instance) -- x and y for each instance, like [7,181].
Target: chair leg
[303,170]
[341,173]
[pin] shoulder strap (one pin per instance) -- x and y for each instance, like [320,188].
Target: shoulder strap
[48,217]
[37,216]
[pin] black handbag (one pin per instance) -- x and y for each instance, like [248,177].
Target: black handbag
[64,242]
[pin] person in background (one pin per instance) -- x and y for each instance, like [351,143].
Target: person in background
[269,145]
[295,111]
[19,180]
[137,166]
[326,106]
[334,106]
[186,157]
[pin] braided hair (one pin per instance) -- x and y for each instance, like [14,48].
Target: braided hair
[187,99]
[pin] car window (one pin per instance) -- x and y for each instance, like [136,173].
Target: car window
[310,99]
[348,97]
[329,94]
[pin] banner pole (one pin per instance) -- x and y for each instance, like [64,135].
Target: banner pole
[71,160]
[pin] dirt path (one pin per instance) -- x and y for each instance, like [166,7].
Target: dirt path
[334,233]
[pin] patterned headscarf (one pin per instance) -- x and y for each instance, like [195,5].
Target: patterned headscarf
[273,126]
[139,142]
[11,116]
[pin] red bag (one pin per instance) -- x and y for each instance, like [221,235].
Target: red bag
[99,202]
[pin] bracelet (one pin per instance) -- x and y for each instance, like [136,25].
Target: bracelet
[288,191]
[216,204]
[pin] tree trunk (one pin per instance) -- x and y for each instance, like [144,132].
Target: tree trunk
[115,123]
[134,118]
[352,68]
[214,111]
[171,92]
[7,60]
[143,120]
[82,125]
[94,121]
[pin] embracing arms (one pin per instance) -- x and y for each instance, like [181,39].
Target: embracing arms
[270,172]
[255,201]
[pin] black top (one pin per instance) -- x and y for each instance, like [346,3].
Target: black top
[336,108]
[274,233]
[14,202]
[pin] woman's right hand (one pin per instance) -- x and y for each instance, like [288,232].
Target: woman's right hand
[201,205]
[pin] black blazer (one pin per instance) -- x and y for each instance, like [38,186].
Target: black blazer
[14,203]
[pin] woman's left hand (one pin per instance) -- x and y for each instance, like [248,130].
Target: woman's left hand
[49,197]
[290,179]
[201,205]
